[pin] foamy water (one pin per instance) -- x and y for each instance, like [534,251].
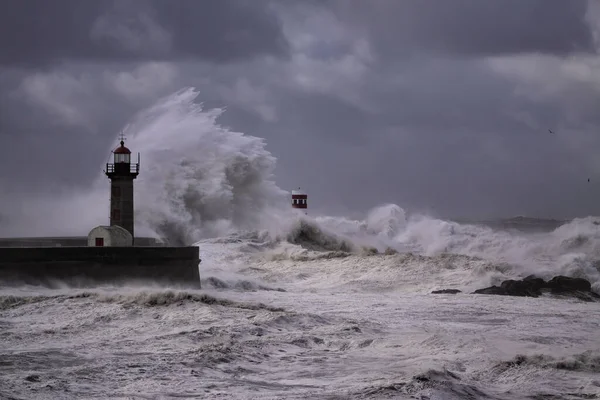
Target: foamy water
[301,306]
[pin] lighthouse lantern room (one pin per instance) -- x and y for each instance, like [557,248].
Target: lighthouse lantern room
[299,199]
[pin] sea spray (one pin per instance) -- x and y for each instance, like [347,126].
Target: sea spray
[200,180]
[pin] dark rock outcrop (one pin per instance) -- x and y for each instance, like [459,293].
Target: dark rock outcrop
[446,291]
[533,286]
[564,284]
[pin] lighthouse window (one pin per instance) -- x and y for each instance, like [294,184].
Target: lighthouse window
[116,191]
[116,215]
[121,158]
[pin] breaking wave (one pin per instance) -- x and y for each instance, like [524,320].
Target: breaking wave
[586,362]
[457,254]
[145,298]
[437,384]
[313,237]
[204,184]
[572,249]
[202,181]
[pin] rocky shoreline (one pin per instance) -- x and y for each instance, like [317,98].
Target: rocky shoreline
[533,286]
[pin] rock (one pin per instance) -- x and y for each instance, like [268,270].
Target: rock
[532,286]
[446,291]
[33,378]
[533,278]
[491,290]
[565,283]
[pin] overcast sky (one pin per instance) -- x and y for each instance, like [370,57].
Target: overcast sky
[441,106]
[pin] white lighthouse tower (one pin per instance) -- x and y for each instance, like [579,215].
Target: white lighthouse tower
[300,200]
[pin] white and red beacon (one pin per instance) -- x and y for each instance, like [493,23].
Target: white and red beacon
[300,200]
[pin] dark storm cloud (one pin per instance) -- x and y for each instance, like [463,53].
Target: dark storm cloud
[39,146]
[471,27]
[34,32]
[57,127]
[374,101]
[451,139]
[222,30]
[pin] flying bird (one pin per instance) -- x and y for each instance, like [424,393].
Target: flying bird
[550,131]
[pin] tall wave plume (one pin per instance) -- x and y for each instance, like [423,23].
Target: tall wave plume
[198,178]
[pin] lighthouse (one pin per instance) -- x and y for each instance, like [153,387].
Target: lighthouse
[121,173]
[300,200]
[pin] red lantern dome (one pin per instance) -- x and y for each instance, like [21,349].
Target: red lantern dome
[122,149]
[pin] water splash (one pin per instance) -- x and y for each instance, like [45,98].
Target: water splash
[200,179]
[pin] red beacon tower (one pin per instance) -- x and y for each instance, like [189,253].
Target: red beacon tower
[300,200]
[121,174]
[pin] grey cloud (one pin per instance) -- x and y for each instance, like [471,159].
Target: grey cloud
[63,122]
[38,32]
[447,136]
[222,30]
[470,27]
[436,131]
[411,151]
[482,159]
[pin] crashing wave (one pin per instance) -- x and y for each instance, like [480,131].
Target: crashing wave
[200,181]
[312,237]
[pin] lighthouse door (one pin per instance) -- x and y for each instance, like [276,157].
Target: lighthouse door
[99,242]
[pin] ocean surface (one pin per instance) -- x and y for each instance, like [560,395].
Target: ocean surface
[301,306]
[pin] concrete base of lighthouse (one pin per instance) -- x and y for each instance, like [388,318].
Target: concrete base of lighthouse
[87,266]
[108,255]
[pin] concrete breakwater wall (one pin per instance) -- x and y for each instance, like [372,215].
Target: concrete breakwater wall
[67,241]
[86,266]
